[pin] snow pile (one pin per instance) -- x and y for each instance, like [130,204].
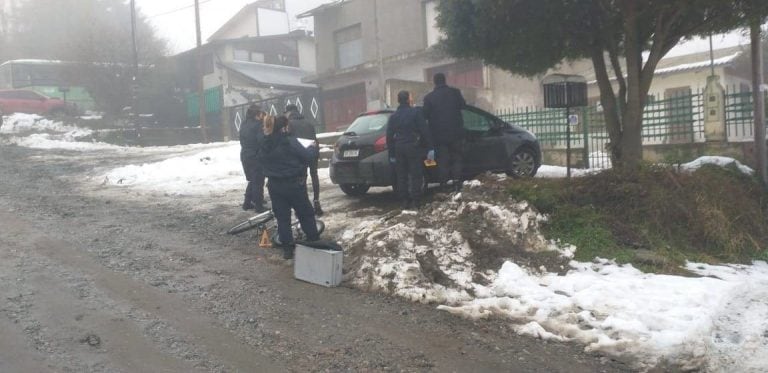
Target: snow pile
[215,169]
[41,133]
[717,161]
[559,171]
[438,253]
[646,318]
[27,123]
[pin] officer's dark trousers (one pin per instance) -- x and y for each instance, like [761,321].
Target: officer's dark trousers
[287,194]
[409,170]
[254,192]
[450,161]
[315,179]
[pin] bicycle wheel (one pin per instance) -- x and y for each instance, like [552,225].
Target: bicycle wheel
[298,234]
[251,223]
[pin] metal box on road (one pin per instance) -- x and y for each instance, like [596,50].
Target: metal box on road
[321,267]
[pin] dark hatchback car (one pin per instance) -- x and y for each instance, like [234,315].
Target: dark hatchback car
[360,159]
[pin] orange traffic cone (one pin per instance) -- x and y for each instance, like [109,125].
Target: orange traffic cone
[265,241]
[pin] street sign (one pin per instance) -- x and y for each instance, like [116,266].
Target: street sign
[573,119]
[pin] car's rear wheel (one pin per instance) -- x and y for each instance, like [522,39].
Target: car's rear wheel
[522,163]
[354,190]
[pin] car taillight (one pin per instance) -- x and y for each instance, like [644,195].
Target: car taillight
[380,145]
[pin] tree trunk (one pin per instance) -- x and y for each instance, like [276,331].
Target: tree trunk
[632,141]
[611,111]
[758,97]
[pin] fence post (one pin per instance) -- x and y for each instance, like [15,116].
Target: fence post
[714,110]
[585,129]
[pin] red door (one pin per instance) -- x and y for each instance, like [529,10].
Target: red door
[341,106]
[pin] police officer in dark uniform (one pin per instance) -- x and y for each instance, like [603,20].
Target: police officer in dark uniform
[251,136]
[285,162]
[303,129]
[442,109]
[408,142]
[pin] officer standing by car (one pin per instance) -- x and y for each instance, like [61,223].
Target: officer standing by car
[285,162]
[251,136]
[408,141]
[303,129]
[442,109]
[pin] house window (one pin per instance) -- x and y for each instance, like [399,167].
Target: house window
[430,21]
[462,74]
[349,46]
[242,55]
[248,56]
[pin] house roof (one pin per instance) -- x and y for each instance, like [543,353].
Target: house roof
[322,8]
[293,35]
[688,62]
[271,75]
[236,18]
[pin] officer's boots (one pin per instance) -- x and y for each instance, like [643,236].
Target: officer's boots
[318,209]
[288,251]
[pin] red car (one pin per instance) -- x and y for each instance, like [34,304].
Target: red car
[30,102]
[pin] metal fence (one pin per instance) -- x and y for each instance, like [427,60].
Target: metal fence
[674,119]
[739,115]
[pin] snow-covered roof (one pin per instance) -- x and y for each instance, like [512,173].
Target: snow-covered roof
[271,74]
[695,61]
[699,64]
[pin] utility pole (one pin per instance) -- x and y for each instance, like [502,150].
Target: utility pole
[758,97]
[135,79]
[201,74]
[379,56]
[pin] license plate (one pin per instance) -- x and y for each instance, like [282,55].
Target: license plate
[351,153]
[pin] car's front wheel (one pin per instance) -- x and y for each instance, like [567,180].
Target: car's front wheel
[522,163]
[354,190]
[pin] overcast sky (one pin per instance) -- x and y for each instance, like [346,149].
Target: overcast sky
[175,19]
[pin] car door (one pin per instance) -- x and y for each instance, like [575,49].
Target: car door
[483,148]
[33,102]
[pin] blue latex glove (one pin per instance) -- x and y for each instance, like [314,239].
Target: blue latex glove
[392,160]
[431,155]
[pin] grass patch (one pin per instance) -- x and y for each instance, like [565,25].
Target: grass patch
[656,218]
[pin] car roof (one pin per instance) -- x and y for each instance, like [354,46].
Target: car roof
[391,110]
[25,90]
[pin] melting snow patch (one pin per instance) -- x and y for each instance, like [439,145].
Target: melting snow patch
[718,161]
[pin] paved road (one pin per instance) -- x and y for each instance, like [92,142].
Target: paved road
[96,279]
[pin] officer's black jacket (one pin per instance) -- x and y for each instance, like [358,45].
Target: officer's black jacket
[301,127]
[251,136]
[405,127]
[442,109]
[283,157]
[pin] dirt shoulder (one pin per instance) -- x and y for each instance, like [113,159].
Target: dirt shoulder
[104,280]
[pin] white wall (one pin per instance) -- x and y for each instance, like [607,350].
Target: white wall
[272,22]
[307,55]
[248,26]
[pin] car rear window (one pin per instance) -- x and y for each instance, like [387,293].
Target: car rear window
[369,124]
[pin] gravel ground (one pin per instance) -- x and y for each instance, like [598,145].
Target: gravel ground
[101,279]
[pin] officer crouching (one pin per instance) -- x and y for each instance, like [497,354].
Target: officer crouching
[285,163]
[408,142]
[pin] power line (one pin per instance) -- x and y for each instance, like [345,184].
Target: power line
[177,9]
